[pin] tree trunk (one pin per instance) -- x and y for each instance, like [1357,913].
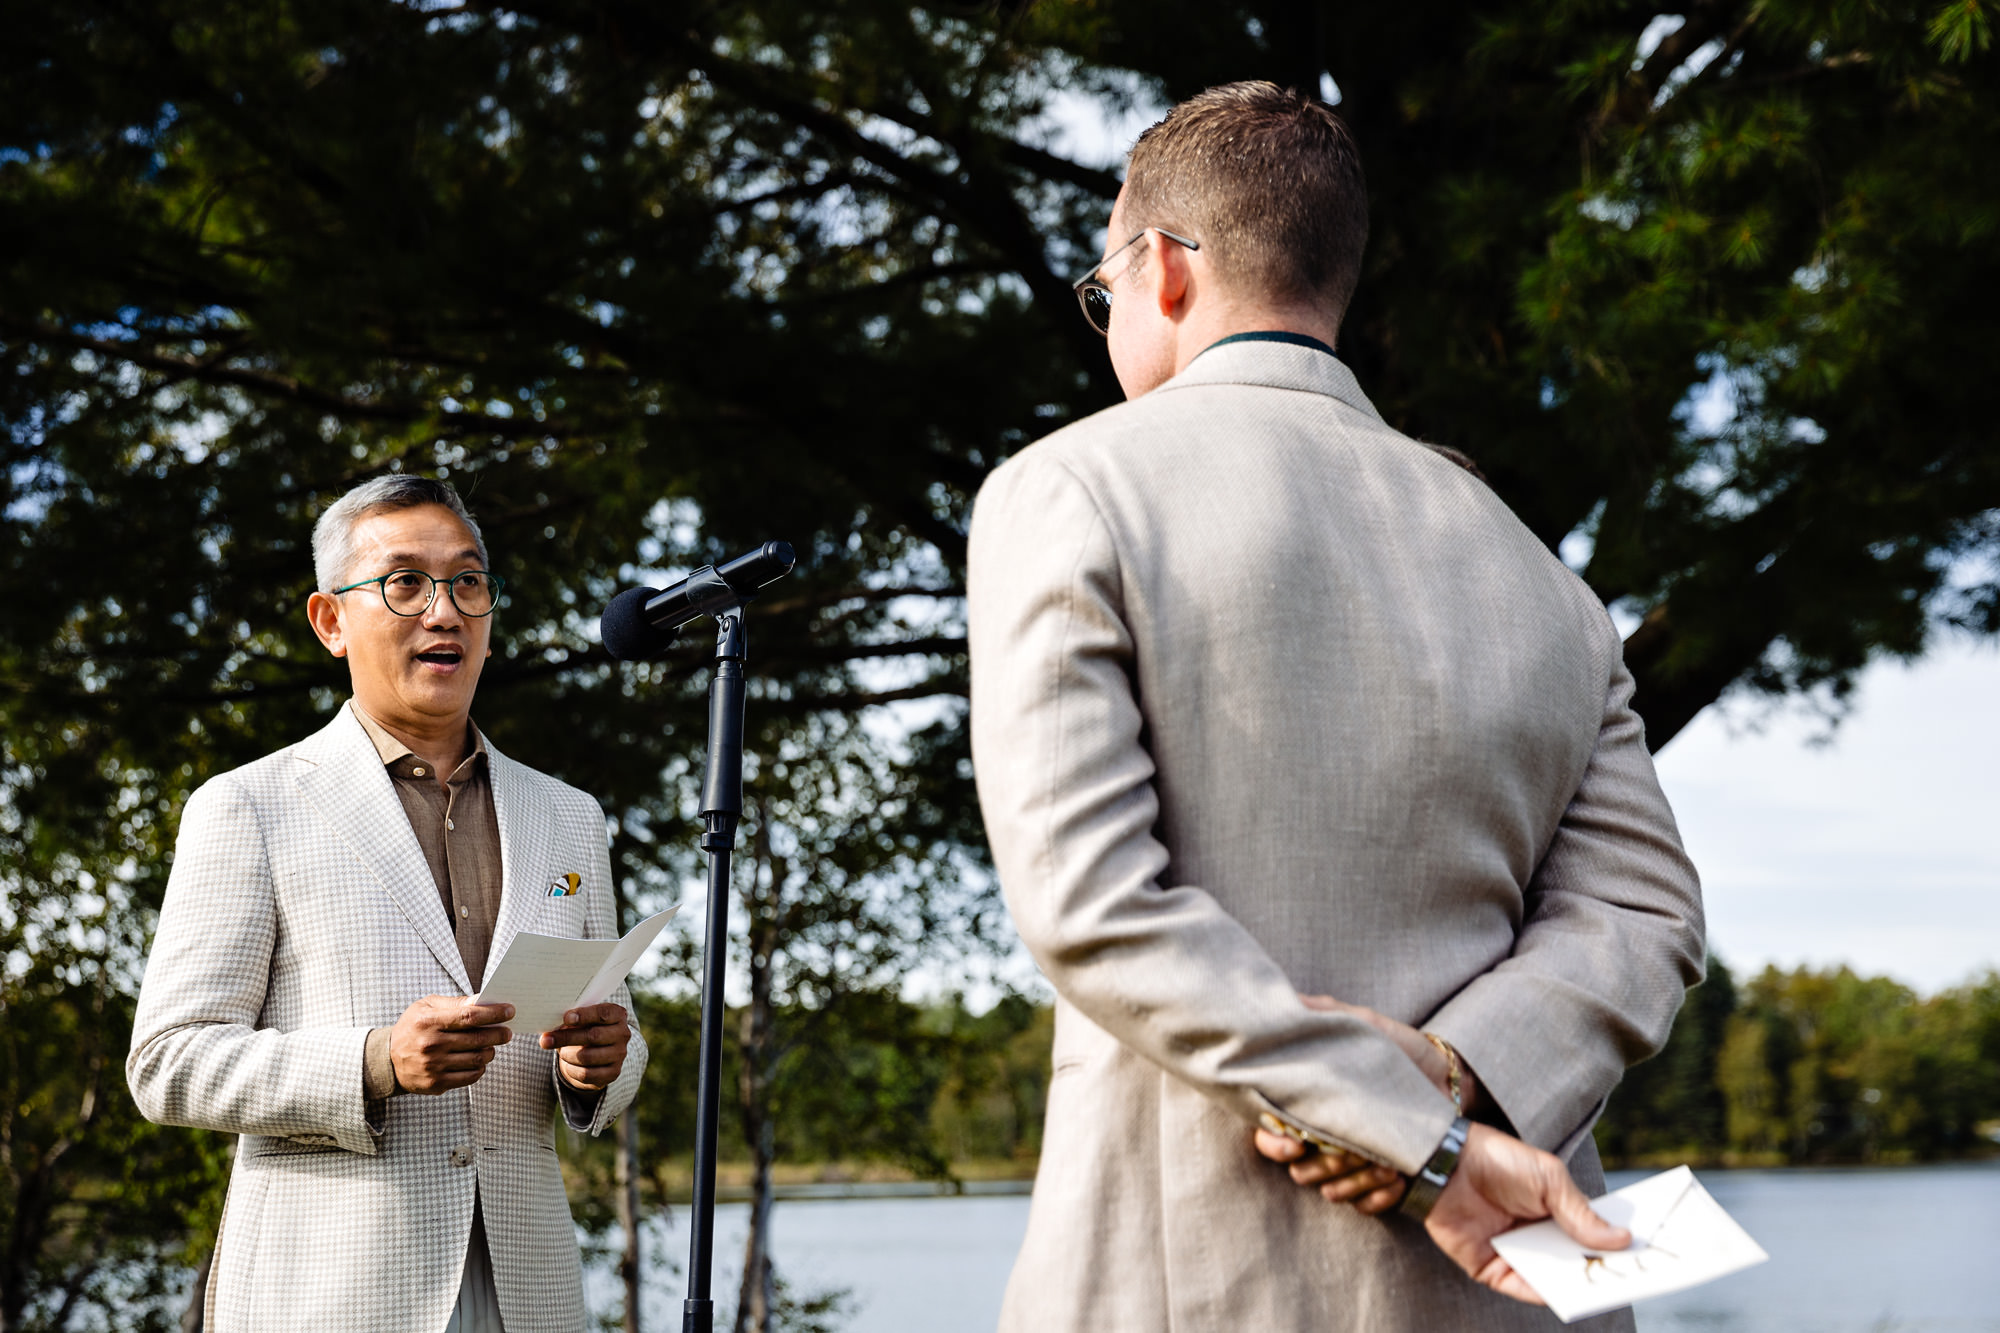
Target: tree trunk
[756,1042]
[628,1213]
[627,1169]
[756,1301]
[192,1317]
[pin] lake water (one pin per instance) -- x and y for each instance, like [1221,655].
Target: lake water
[1905,1250]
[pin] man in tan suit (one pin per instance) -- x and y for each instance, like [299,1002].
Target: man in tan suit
[333,908]
[1269,700]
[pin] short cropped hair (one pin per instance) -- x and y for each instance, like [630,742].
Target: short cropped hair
[1268,180]
[333,534]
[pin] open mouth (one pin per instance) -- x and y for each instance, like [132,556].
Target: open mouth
[441,656]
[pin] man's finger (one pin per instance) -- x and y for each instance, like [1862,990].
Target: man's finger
[1579,1220]
[1278,1147]
[1357,1184]
[1325,1166]
[605,1035]
[1382,1200]
[462,1060]
[456,1079]
[590,1075]
[467,1039]
[472,1015]
[1498,1275]
[592,1055]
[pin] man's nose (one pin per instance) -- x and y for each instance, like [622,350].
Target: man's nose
[442,612]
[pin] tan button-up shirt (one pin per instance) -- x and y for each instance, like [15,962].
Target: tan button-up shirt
[459,832]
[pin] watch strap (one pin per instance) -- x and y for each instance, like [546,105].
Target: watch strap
[1429,1181]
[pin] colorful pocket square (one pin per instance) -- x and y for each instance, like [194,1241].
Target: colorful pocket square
[566,885]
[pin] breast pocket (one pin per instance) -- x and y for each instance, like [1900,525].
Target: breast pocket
[563,916]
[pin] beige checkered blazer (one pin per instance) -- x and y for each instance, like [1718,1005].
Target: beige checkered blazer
[1267,698]
[299,915]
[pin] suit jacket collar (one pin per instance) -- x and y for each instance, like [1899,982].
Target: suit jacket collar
[1274,365]
[344,778]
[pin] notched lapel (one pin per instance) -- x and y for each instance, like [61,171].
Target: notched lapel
[527,836]
[346,782]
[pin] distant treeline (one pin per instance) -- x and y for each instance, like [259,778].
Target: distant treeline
[1804,1067]
[1797,1067]
[873,1084]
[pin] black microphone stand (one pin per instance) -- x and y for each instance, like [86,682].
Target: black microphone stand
[633,627]
[721,807]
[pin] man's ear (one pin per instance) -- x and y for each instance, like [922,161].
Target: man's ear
[1170,277]
[324,613]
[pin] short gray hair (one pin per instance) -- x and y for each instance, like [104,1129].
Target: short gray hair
[333,535]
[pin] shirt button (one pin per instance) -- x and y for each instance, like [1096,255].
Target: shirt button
[419,771]
[453,827]
[465,912]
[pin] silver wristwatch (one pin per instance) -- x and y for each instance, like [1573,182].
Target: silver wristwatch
[1429,1182]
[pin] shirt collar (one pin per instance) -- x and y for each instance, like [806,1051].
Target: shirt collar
[390,750]
[1270,336]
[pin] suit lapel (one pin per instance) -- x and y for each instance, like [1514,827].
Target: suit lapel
[345,780]
[527,835]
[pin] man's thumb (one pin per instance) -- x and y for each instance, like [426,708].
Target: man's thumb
[1580,1221]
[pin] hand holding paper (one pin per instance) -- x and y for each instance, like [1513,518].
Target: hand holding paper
[545,977]
[1500,1182]
[1681,1238]
[590,1048]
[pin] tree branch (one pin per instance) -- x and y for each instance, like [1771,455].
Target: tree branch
[179,366]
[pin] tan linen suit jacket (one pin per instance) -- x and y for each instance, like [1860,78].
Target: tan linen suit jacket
[1267,698]
[301,913]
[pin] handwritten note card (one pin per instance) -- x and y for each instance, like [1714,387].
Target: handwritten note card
[543,975]
[1680,1238]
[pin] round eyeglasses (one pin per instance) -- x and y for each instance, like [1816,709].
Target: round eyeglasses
[410,592]
[1094,295]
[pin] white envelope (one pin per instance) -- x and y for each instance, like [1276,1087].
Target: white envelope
[1680,1238]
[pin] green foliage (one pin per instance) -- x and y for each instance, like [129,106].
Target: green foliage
[991,1104]
[1783,205]
[652,283]
[929,1089]
[1671,1106]
[84,1179]
[1815,1067]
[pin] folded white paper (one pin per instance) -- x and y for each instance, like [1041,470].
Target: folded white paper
[544,976]
[1680,1238]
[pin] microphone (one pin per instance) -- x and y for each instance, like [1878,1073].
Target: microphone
[640,623]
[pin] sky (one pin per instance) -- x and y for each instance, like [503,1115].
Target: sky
[1874,844]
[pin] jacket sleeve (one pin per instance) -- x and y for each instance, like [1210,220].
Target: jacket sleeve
[198,1056]
[1065,784]
[1611,938]
[591,1112]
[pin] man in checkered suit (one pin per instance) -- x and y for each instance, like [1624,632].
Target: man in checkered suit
[332,910]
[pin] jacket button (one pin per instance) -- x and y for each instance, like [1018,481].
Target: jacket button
[461,1157]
